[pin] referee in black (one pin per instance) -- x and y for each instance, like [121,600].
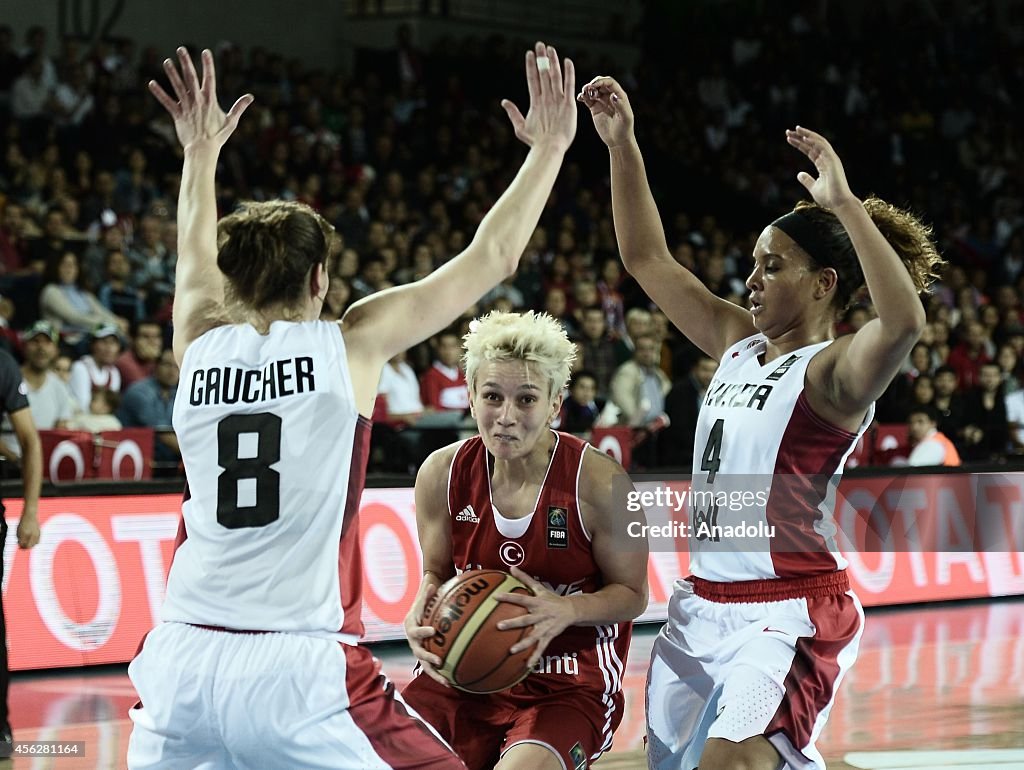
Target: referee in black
[14,402]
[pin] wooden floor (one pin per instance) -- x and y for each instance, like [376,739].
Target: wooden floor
[934,688]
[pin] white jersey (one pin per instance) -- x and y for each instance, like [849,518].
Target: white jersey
[275,458]
[765,471]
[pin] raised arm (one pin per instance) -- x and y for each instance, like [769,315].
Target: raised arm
[202,128]
[381,325]
[856,370]
[710,322]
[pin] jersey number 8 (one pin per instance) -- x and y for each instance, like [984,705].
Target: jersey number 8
[253,470]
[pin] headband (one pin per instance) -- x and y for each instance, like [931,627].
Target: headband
[808,236]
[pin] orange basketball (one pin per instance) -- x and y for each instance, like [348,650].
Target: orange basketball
[465,614]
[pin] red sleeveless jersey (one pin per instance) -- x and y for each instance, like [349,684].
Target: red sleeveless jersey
[552,545]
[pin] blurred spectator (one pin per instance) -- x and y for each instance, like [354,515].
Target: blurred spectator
[1008,368]
[969,355]
[100,416]
[682,404]
[48,395]
[14,234]
[597,347]
[443,385]
[337,299]
[97,370]
[150,259]
[639,387]
[67,305]
[923,391]
[986,433]
[116,293]
[401,391]
[948,404]
[138,361]
[149,403]
[638,324]
[53,244]
[582,406]
[928,445]
[62,368]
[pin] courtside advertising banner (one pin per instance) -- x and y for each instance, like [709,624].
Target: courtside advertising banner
[92,588]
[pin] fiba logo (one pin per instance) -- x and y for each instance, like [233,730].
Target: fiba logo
[511,553]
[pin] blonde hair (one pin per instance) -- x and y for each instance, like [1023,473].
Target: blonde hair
[533,337]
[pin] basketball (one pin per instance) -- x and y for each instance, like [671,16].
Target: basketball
[474,652]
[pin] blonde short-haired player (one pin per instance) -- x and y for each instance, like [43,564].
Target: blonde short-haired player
[549,508]
[758,640]
[257,663]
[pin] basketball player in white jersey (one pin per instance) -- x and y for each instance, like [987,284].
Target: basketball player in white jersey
[553,511]
[256,663]
[758,639]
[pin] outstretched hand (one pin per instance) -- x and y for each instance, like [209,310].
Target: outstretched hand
[610,109]
[830,189]
[552,114]
[197,115]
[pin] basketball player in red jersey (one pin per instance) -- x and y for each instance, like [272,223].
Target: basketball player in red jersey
[746,670]
[548,507]
[256,663]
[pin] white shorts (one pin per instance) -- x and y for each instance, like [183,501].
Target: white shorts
[218,699]
[735,669]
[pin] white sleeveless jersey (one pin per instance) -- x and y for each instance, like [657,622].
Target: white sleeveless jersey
[765,471]
[275,458]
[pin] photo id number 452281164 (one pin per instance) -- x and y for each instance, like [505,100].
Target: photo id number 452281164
[49,748]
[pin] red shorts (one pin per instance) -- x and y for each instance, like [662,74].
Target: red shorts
[574,723]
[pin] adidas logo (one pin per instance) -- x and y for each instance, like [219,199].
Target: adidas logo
[467,514]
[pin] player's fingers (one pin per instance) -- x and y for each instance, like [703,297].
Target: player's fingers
[806,180]
[161,96]
[527,580]
[521,599]
[524,644]
[240,106]
[428,659]
[532,77]
[436,677]
[569,78]
[555,73]
[542,64]
[812,136]
[514,116]
[175,79]
[421,632]
[188,71]
[209,86]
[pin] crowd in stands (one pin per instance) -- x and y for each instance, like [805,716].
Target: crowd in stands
[405,155]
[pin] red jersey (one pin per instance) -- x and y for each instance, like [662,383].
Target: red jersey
[552,545]
[442,387]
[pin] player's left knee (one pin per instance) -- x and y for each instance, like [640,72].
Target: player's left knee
[752,754]
[529,756]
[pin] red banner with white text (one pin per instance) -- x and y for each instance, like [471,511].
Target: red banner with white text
[91,589]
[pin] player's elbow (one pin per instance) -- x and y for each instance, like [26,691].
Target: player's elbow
[638,605]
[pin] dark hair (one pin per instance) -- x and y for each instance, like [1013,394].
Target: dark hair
[909,237]
[266,250]
[927,410]
[51,270]
[945,369]
[579,375]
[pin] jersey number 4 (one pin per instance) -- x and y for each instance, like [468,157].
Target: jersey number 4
[712,457]
[246,470]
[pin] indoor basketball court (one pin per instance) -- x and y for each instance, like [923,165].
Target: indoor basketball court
[934,687]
